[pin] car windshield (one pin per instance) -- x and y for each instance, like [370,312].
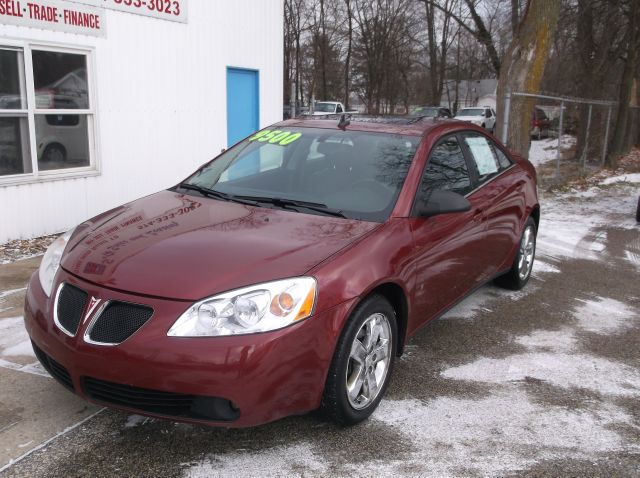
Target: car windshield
[471,112]
[325,107]
[353,174]
[425,111]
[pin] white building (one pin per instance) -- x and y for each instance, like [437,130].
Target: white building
[105,101]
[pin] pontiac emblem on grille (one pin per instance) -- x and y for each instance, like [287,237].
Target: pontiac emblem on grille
[93,303]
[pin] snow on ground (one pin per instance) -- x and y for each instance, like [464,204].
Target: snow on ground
[574,225]
[507,431]
[560,369]
[14,340]
[492,436]
[624,178]
[605,316]
[297,460]
[546,150]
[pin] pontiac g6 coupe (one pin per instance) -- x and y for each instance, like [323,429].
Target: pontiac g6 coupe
[286,274]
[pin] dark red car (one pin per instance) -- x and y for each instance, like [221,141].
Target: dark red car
[285,275]
[540,124]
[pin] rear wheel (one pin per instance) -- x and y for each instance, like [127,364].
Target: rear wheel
[520,271]
[54,153]
[362,363]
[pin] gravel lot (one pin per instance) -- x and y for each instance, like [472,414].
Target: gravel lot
[541,382]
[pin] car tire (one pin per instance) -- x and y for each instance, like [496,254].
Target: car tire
[518,276]
[54,153]
[638,211]
[370,330]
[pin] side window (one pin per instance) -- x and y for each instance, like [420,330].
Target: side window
[485,156]
[502,158]
[446,168]
[338,109]
[487,113]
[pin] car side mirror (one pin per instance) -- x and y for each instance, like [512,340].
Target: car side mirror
[441,202]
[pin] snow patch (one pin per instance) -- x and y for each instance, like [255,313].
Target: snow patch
[560,369]
[14,339]
[493,436]
[136,420]
[6,293]
[294,460]
[574,228]
[543,267]
[561,340]
[546,150]
[624,178]
[604,316]
[471,306]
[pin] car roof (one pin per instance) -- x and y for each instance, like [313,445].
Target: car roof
[407,125]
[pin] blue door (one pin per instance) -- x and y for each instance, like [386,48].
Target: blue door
[243,104]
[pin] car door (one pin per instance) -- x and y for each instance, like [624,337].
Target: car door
[498,194]
[447,248]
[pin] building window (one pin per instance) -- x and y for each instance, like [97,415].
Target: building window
[46,113]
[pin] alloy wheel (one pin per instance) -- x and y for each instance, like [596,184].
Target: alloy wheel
[527,251]
[368,361]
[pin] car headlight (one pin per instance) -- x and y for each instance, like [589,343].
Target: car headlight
[258,308]
[51,262]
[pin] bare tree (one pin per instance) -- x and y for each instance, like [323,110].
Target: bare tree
[619,144]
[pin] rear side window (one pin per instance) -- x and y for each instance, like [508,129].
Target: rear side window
[446,169]
[502,158]
[487,158]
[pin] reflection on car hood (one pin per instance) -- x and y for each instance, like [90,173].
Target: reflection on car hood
[185,247]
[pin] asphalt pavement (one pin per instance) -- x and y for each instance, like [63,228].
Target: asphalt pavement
[540,382]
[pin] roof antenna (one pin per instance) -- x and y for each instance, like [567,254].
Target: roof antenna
[344,122]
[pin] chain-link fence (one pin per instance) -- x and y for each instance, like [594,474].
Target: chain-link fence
[569,136]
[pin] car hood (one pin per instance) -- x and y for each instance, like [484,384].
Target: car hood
[185,247]
[469,118]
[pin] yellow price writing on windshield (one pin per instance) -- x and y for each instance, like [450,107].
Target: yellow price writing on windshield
[282,138]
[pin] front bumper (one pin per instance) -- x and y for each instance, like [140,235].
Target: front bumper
[265,376]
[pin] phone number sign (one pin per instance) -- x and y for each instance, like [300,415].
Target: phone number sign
[172,10]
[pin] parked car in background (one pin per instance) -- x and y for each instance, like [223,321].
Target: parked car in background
[483,116]
[245,294]
[431,112]
[62,141]
[540,124]
[321,108]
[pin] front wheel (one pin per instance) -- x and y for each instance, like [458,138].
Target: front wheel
[520,271]
[362,363]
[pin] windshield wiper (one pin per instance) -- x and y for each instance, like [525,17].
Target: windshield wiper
[293,203]
[216,194]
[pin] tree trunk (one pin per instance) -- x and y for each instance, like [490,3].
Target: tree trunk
[515,16]
[621,130]
[347,63]
[433,53]
[522,70]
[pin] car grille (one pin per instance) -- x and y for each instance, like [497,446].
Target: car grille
[56,370]
[70,306]
[118,321]
[159,402]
